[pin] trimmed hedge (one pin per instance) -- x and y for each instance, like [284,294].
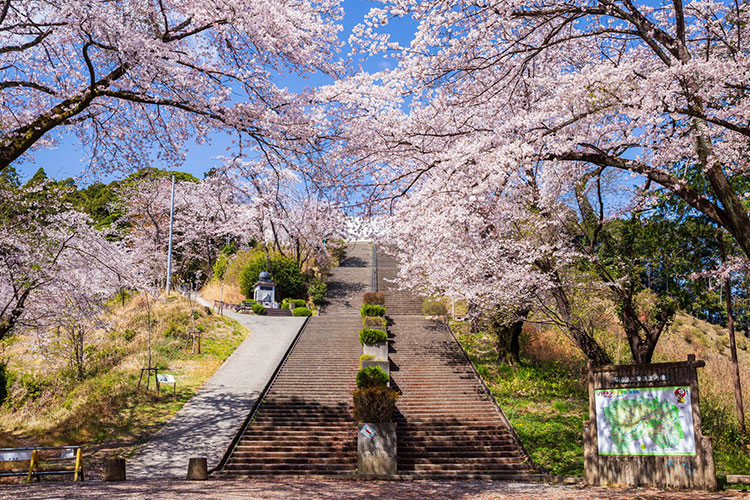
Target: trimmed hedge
[371,376]
[374,298]
[259,309]
[364,357]
[369,321]
[374,404]
[301,311]
[371,336]
[372,310]
[297,303]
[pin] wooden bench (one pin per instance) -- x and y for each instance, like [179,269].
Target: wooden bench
[53,457]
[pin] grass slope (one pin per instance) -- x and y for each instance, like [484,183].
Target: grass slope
[546,398]
[104,411]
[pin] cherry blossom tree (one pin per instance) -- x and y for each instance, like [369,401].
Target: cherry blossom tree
[48,251]
[493,99]
[133,76]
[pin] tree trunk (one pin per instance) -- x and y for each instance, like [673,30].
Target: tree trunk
[508,336]
[733,347]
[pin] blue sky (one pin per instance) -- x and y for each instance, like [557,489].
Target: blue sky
[68,159]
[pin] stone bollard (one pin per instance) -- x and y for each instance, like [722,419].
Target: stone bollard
[198,469]
[115,469]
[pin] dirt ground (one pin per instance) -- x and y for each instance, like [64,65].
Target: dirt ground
[325,489]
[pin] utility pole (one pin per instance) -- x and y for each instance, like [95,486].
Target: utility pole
[171,227]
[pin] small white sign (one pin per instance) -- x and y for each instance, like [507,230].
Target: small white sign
[15,456]
[68,453]
[367,431]
[165,379]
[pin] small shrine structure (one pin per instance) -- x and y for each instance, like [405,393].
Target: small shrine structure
[264,291]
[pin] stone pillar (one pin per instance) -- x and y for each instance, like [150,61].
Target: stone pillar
[198,469]
[377,454]
[115,469]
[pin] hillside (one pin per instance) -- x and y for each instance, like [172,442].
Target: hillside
[547,401]
[103,410]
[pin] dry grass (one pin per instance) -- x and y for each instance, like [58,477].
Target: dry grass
[232,294]
[105,411]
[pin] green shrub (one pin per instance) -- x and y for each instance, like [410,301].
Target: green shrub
[128,334]
[369,321]
[374,404]
[317,291]
[297,303]
[374,298]
[371,376]
[301,311]
[365,357]
[372,310]
[371,336]
[259,309]
[434,307]
[290,282]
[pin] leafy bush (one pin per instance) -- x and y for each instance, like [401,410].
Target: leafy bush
[290,282]
[259,309]
[128,334]
[301,311]
[374,404]
[434,307]
[317,291]
[365,357]
[297,303]
[371,376]
[371,336]
[374,298]
[372,310]
[369,321]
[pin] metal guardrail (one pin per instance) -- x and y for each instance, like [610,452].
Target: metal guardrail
[258,402]
[31,454]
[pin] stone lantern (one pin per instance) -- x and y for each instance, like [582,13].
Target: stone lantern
[264,291]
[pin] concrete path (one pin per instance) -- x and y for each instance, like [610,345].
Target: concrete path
[206,425]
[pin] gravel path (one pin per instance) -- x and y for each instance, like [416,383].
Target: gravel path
[206,425]
[326,489]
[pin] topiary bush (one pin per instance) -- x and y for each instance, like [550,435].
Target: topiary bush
[374,404]
[371,376]
[259,309]
[301,311]
[369,321]
[372,310]
[371,336]
[374,298]
[317,291]
[365,357]
[297,303]
[290,282]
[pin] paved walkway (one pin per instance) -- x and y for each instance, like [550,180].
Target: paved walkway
[327,489]
[206,425]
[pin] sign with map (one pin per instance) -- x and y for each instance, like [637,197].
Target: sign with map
[647,421]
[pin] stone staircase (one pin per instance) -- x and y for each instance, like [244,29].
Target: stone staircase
[304,425]
[398,302]
[447,423]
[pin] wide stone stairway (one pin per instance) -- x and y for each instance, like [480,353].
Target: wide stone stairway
[448,426]
[304,424]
